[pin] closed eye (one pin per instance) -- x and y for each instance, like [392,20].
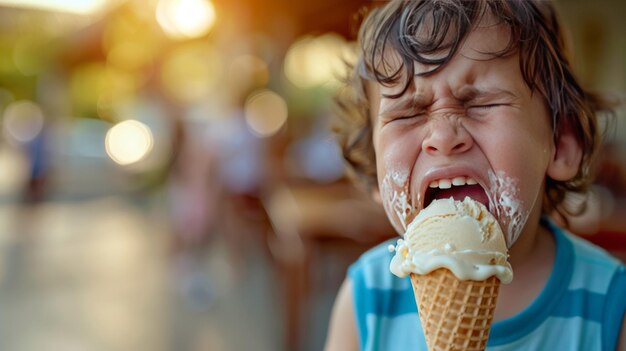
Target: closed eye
[409,113]
[485,107]
[414,115]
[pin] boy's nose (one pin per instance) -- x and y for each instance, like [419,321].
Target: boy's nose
[447,137]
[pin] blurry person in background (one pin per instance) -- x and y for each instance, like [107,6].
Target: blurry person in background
[37,153]
[215,188]
[26,128]
[194,193]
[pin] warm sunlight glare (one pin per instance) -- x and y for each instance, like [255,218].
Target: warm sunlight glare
[182,19]
[128,142]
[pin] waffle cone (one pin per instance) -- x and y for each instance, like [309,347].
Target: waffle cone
[455,314]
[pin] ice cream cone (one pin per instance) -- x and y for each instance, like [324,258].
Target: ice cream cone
[457,257]
[455,314]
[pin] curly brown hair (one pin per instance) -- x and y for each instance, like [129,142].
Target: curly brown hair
[535,34]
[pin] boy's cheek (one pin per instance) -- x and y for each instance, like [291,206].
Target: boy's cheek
[395,197]
[510,203]
[394,211]
[396,156]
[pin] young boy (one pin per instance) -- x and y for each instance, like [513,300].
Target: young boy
[476,98]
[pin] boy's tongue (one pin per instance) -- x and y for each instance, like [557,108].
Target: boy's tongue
[459,193]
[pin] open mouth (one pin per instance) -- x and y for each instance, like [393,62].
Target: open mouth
[457,188]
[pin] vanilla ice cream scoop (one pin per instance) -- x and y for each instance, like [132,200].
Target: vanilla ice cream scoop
[462,236]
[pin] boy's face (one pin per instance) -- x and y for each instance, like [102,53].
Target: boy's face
[471,129]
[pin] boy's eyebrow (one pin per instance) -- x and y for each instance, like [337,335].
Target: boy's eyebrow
[404,102]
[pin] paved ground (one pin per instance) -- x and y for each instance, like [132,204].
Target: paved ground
[98,275]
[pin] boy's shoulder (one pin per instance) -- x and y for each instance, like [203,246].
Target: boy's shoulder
[587,256]
[590,251]
[601,279]
[592,267]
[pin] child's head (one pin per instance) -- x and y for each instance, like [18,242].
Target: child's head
[463,91]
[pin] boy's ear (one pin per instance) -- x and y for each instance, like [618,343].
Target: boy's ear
[567,155]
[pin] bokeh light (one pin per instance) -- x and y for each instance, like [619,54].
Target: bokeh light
[266,112]
[314,61]
[23,121]
[182,19]
[128,142]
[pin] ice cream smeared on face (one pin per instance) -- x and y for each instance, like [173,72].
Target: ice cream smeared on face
[461,236]
[504,200]
[395,197]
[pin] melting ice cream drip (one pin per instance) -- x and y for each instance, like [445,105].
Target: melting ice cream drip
[395,197]
[461,236]
[504,198]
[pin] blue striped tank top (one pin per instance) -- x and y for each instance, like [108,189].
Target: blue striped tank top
[580,308]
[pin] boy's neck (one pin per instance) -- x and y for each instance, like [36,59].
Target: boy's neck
[532,259]
[529,242]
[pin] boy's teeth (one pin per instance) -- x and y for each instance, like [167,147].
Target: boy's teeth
[448,183]
[445,184]
[458,181]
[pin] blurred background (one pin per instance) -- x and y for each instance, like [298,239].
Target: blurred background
[168,180]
